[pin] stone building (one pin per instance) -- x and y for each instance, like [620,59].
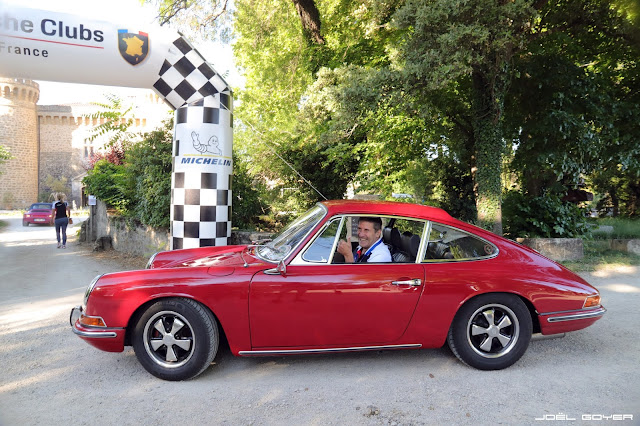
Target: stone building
[50,142]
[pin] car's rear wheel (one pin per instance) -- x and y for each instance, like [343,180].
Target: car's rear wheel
[176,339]
[491,331]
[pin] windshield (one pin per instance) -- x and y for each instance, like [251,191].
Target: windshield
[290,236]
[40,206]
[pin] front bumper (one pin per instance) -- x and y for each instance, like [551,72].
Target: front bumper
[103,338]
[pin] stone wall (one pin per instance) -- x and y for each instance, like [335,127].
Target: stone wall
[139,240]
[558,249]
[136,240]
[18,133]
[629,246]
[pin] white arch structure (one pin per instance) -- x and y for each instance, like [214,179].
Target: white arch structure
[45,45]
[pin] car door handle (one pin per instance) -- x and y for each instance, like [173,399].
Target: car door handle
[413,283]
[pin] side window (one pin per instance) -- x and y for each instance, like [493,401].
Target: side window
[403,236]
[320,249]
[349,232]
[449,244]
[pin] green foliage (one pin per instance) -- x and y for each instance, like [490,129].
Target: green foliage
[140,188]
[248,204]
[53,185]
[148,167]
[546,216]
[622,228]
[4,155]
[598,255]
[116,121]
[201,19]
[427,97]
[620,190]
[110,183]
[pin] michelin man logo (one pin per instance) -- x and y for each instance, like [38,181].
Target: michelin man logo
[211,146]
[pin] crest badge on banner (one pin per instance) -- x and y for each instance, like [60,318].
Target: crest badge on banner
[133,47]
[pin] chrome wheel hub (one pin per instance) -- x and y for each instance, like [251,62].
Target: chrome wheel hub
[493,330]
[169,339]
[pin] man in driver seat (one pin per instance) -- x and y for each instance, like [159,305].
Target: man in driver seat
[371,248]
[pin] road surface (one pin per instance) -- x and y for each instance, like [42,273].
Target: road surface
[49,376]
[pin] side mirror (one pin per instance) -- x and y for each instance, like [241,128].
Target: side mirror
[281,269]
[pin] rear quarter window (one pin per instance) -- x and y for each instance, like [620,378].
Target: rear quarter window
[447,244]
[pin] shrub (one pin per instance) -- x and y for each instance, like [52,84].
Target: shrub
[543,217]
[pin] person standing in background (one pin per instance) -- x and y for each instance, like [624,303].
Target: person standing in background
[63,212]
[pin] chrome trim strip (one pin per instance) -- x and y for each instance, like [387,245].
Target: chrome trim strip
[95,334]
[311,351]
[580,315]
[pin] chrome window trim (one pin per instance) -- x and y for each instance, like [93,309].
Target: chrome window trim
[90,288]
[151,259]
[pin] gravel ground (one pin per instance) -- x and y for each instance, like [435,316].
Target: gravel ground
[50,376]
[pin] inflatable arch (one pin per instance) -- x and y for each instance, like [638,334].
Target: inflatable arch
[45,45]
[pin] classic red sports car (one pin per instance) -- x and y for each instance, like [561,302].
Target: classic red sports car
[446,281]
[39,214]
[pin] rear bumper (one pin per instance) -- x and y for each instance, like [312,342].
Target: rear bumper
[106,339]
[562,322]
[38,220]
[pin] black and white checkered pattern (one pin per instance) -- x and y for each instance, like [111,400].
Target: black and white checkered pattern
[202,169]
[200,209]
[185,77]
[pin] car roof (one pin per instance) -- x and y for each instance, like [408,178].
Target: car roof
[392,208]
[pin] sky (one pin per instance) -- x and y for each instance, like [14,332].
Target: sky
[115,10]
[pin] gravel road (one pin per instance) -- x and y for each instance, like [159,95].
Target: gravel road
[50,376]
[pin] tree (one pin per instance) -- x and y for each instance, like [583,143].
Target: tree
[386,93]
[117,121]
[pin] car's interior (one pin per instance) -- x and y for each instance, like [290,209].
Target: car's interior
[403,246]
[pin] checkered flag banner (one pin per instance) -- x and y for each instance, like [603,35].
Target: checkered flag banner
[202,148]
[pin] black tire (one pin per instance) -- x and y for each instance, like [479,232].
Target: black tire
[25,223]
[491,331]
[185,348]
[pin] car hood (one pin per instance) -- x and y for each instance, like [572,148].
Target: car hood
[214,257]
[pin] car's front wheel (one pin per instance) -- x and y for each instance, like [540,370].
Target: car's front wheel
[25,223]
[176,339]
[491,331]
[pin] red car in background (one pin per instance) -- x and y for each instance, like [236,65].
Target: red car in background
[449,282]
[39,214]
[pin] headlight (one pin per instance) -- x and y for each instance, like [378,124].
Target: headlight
[151,259]
[90,288]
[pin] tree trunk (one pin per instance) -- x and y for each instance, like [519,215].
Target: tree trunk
[310,19]
[489,147]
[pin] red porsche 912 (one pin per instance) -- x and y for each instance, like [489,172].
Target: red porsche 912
[430,280]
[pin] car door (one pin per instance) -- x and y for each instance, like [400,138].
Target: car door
[316,303]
